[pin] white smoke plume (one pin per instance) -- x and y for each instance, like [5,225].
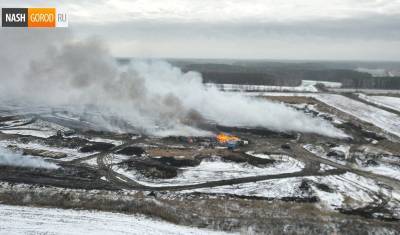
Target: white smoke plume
[9,158]
[149,94]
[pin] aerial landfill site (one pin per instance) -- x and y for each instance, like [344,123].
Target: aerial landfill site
[126,132]
[233,158]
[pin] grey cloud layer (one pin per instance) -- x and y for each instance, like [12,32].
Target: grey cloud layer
[336,29]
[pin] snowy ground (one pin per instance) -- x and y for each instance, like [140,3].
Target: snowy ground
[39,128]
[321,152]
[388,121]
[276,188]
[98,139]
[216,169]
[385,101]
[384,169]
[361,190]
[31,220]
[347,190]
[72,154]
[387,166]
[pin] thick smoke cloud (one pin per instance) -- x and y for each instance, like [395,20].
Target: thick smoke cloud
[151,95]
[9,158]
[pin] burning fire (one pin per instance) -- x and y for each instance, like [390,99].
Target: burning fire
[222,138]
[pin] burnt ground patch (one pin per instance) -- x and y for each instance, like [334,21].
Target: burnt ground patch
[324,187]
[240,157]
[359,134]
[96,146]
[299,199]
[371,212]
[178,162]
[150,168]
[131,150]
[57,141]
[67,176]
[257,131]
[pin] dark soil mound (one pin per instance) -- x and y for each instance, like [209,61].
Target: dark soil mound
[131,150]
[324,187]
[336,154]
[242,157]
[184,162]
[97,146]
[151,168]
[257,131]
[56,141]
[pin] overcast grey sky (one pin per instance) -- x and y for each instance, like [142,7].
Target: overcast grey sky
[267,29]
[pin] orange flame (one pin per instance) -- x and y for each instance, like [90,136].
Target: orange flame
[222,138]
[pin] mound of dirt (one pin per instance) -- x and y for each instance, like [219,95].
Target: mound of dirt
[131,150]
[179,162]
[96,147]
[151,168]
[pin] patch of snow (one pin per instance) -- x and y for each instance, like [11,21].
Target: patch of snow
[37,133]
[275,188]
[31,220]
[103,140]
[118,158]
[324,167]
[72,154]
[385,101]
[39,128]
[15,123]
[344,149]
[388,121]
[98,139]
[384,169]
[91,162]
[349,190]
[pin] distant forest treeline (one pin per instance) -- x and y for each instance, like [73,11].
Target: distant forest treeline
[288,75]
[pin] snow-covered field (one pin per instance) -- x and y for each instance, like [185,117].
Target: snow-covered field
[384,169]
[344,190]
[216,169]
[31,220]
[360,189]
[385,101]
[386,120]
[276,188]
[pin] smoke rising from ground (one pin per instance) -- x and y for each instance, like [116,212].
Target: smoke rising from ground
[152,95]
[9,158]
